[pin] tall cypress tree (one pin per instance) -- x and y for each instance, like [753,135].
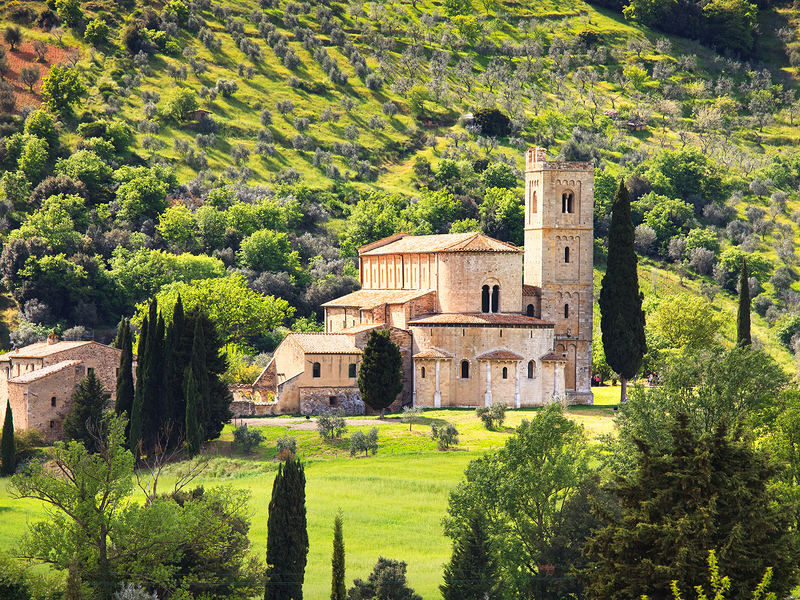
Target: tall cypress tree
[200,374]
[380,378]
[743,315]
[8,452]
[338,586]
[135,432]
[472,571]
[175,366]
[621,314]
[153,367]
[89,401]
[117,343]
[194,435]
[125,390]
[287,536]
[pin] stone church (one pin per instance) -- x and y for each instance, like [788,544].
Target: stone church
[479,321]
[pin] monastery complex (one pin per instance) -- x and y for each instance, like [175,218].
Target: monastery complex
[479,321]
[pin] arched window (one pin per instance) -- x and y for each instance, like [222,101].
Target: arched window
[566,254]
[529,311]
[464,369]
[566,202]
[496,298]
[485,299]
[531,369]
[566,311]
[505,372]
[315,370]
[423,372]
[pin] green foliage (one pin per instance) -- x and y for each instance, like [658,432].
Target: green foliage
[374,217]
[472,573]
[84,421]
[331,425]
[445,435]
[684,321]
[8,461]
[380,375]
[787,328]
[667,217]
[734,257]
[387,582]
[338,587]
[686,172]
[492,416]
[743,313]
[61,87]
[87,167]
[41,124]
[465,226]
[702,238]
[33,158]
[15,187]
[287,536]
[247,438]
[177,226]
[453,8]
[721,585]
[125,390]
[493,122]
[142,193]
[179,103]
[499,175]
[366,443]
[58,223]
[268,250]
[605,184]
[503,216]
[417,96]
[286,445]
[433,212]
[69,11]
[96,32]
[410,414]
[731,24]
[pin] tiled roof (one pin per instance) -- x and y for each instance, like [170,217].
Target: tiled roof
[432,353]
[32,376]
[447,242]
[500,355]
[478,319]
[554,357]
[42,349]
[531,290]
[325,343]
[368,299]
[355,329]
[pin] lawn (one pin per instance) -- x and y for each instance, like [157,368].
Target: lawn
[392,503]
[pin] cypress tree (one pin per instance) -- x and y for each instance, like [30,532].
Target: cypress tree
[380,378]
[200,374]
[472,571]
[193,434]
[135,432]
[8,452]
[125,391]
[174,369]
[117,343]
[743,315]
[621,314]
[338,586]
[89,402]
[153,368]
[287,537]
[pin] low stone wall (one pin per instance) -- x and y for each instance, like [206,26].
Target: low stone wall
[314,401]
[248,402]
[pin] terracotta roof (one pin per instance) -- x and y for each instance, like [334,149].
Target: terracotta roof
[42,349]
[554,357]
[360,328]
[367,299]
[447,242]
[500,355]
[531,290]
[433,353]
[478,319]
[32,376]
[325,343]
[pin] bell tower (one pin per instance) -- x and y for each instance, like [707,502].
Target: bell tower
[559,246]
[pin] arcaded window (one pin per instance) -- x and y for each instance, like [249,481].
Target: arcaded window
[505,372]
[531,369]
[464,369]
[315,370]
[566,311]
[566,254]
[351,370]
[423,372]
[496,298]
[529,310]
[566,202]
[53,401]
[485,299]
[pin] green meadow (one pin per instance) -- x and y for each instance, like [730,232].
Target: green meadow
[392,502]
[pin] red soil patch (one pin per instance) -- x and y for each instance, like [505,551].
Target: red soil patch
[24,56]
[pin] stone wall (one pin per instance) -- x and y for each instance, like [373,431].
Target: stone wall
[318,400]
[462,276]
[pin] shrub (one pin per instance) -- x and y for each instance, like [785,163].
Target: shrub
[286,445]
[27,442]
[247,438]
[445,436]
[492,416]
[331,425]
[367,443]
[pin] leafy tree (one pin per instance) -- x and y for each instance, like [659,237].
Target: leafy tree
[702,238]
[685,172]
[338,587]
[387,581]
[493,122]
[29,76]
[708,492]
[12,36]
[499,175]
[503,216]
[96,32]
[8,451]
[743,314]
[472,573]
[758,265]
[432,213]
[417,96]
[374,217]
[523,490]
[41,124]
[621,315]
[366,443]
[61,88]
[141,194]
[380,378]
[685,321]
[33,158]
[287,536]
[247,438]
[69,11]
[180,103]
[268,250]
[453,8]
[87,167]
[89,403]
[731,24]
[178,226]
[53,223]
[125,388]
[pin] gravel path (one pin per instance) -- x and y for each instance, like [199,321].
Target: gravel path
[303,424]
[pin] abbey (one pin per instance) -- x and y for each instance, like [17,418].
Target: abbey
[479,321]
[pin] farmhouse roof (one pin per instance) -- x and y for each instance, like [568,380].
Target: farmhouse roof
[480,319]
[368,299]
[38,374]
[42,349]
[447,242]
[325,343]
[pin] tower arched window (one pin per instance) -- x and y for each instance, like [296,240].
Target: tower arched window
[496,298]
[505,372]
[531,369]
[529,310]
[423,372]
[567,202]
[566,311]
[315,370]
[566,254]
[464,369]
[485,299]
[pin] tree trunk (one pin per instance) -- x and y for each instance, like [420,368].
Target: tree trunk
[623,389]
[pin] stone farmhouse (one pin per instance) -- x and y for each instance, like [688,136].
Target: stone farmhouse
[479,321]
[40,379]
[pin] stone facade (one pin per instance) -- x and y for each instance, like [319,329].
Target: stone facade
[318,400]
[472,331]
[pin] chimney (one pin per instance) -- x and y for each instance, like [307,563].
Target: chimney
[52,339]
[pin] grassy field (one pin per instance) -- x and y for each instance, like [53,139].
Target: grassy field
[392,502]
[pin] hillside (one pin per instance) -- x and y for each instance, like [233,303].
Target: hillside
[186,141]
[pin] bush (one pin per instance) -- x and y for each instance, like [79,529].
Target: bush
[247,438]
[331,425]
[367,443]
[286,445]
[492,416]
[27,442]
[445,436]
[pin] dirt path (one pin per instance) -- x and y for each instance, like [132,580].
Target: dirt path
[303,424]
